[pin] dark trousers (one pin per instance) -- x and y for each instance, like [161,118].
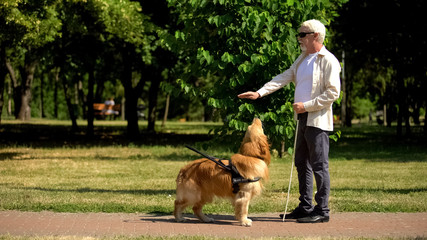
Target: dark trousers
[311,158]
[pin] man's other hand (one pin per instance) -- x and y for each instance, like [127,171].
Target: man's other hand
[299,107]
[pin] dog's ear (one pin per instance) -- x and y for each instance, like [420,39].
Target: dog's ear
[264,148]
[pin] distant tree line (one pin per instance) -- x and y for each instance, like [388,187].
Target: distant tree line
[384,47]
[75,48]
[201,54]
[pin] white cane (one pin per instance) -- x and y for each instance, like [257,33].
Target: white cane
[292,168]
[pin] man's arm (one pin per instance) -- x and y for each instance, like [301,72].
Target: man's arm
[276,83]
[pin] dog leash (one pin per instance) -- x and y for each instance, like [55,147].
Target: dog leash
[213,159]
[236,177]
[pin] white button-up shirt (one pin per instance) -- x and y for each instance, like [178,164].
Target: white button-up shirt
[325,89]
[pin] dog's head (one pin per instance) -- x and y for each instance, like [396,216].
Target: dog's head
[255,143]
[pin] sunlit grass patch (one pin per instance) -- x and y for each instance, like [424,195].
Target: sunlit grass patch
[141,178]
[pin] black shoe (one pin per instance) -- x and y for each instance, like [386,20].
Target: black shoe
[313,218]
[295,214]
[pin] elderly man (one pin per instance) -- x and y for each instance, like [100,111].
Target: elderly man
[317,85]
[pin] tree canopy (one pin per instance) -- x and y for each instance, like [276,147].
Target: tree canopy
[384,50]
[239,46]
[69,54]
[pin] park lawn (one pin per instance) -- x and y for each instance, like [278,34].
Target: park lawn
[370,171]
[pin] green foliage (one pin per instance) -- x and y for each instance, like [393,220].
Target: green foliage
[362,107]
[335,136]
[27,27]
[391,66]
[78,37]
[30,23]
[125,21]
[243,44]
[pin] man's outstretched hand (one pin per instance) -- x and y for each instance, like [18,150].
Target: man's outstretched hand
[249,95]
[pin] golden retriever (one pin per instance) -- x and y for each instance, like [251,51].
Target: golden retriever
[201,180]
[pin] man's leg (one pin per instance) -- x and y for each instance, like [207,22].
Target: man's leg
[305,172]
[319,160]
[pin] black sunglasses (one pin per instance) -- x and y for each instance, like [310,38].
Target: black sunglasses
[303,34]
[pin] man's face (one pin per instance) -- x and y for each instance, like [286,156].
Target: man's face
[306,41]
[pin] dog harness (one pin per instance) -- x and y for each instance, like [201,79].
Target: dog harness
[236,177]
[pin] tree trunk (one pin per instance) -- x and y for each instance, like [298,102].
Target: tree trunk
[16,88]
[346,104]
[99,88]
[131,107]
[81,98]
[399,122]
[9,99]
[385,115]
[90,116]
[73,117]
[152,104]
[131,113]
[425,122]
[389,104]
[282,149]
[425,114]
[131,95]
[55,94]
[407,124]
[403,108]
[207,111]
[27,75]
[344,93]
[165,115]
[3,73]
[42,114]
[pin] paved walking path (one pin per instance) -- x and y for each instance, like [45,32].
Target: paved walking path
[371,225]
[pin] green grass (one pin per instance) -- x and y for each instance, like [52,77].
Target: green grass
[371,170]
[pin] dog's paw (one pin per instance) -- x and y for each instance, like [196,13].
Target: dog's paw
[180,219]
[208,220]
[247,222]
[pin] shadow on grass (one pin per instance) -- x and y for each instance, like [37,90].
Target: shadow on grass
[9,155]
[371,143]
[51,136]
[378,144]
[376,191]
[17,156]
[95,190]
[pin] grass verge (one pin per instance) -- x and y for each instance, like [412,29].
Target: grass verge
[371,171]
